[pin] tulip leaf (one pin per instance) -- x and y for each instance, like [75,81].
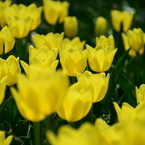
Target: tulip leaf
[129,90]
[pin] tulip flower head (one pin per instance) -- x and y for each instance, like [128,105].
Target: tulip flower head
[70,26]
[134,39]
[73,61]
[55,11]
[101,57]
[3,83]
[51,40]
[101,26]
[98,82]
[42,94]
[79,99]
[123,18]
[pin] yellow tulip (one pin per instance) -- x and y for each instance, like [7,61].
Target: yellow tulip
[100,58]
[98,82]
[55,11]
[70,26]
[35,15]
[140,93]
[43,57]
[68,135]
[4,140]
[6,40]
[40,96]
[123,18]
[101,26]
[3,83]
[134,39]
[20,26]
[51,40]
[128,113]
[104,41]
[73,61]
[75,44]
[3,6]
[79,99]
[10,68]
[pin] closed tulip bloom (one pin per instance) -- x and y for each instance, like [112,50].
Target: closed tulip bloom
[41,95]
[101,26]
[55,11]
[100,58]
[98,82]
[51,40]
[74,44]
[79,99]
[11,69]
[123,18]
[73,61]
[140,93]
[4,140]
[70,26]
[20,26]
[7,40]
[134,39]
[3,83]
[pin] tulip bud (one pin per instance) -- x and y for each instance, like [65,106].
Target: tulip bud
[4,140]
[100,26]
[70,26]
[140,93]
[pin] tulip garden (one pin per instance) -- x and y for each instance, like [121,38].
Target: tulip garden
[72,72]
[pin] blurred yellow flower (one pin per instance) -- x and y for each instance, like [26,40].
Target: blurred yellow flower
[98,82]
[75,44]
[101,26]
[51,40]
[73,61]
[140,93]
[3,6]
[70,136]
[3,83]
[134,39]
[70,26]
[40,96]
[7,40]
[3,140]
[123,18]
[55,11]
[79,99]
[10,68]
[101,57]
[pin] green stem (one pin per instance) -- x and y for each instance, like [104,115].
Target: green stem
[37,134]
